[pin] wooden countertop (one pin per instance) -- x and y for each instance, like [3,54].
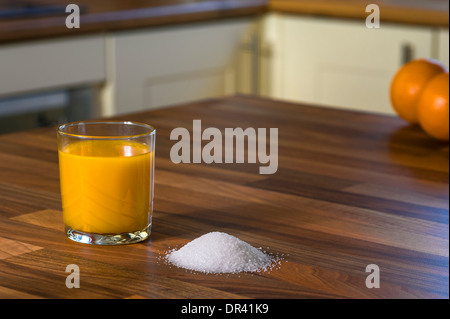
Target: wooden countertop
[429,12]
[111,15]
[352,189]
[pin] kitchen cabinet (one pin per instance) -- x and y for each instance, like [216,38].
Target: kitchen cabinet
[153,68]
[50,81]
[443,46]
[341,63]
[318,60]
[51,64]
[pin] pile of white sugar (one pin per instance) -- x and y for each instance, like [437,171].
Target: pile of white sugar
[218,252]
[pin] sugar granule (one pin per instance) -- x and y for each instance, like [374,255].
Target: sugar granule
[218,252]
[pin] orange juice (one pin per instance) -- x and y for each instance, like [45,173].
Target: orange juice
[105,186]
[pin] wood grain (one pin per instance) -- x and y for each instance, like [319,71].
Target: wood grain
[113,15]
[430,13]
[352,189]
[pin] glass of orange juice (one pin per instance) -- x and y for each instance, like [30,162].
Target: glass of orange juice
[107,177]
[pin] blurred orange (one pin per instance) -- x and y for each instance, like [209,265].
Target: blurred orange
[433,108]
[408,84]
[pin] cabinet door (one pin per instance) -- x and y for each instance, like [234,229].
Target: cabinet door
[50,64]
[443,46]
[165,66]
[343,63]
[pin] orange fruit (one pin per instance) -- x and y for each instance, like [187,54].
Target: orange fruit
[408,84]
[433,109]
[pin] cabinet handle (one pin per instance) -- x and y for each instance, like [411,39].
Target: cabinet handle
[255,63]
[407,53]
[253,48]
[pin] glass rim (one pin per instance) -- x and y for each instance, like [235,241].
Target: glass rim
[61,127]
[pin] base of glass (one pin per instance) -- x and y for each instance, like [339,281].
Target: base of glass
[108,239]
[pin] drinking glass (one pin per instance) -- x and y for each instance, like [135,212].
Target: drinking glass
[107,180]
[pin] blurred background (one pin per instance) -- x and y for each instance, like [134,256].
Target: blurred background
[129,56]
